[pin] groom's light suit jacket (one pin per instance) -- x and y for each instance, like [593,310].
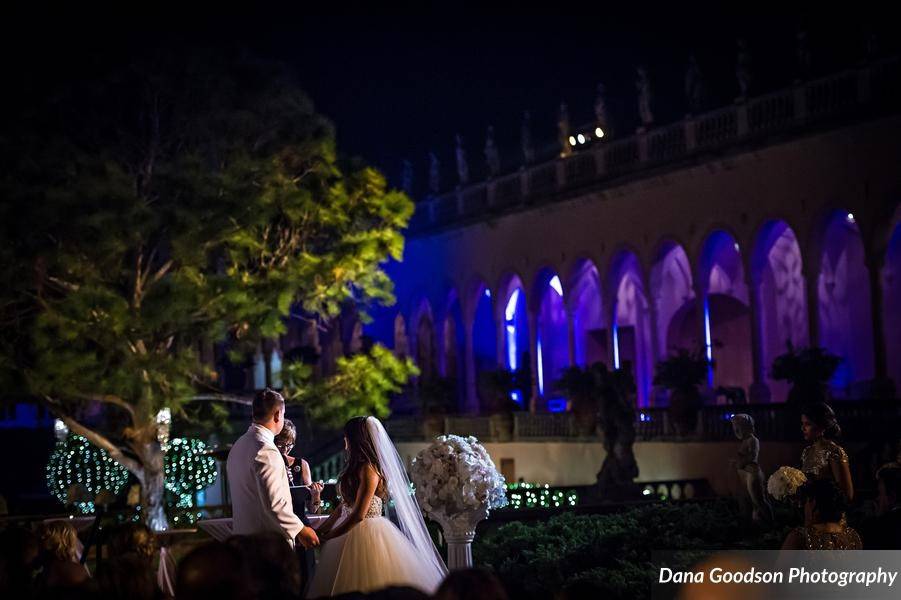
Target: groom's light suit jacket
[258,484]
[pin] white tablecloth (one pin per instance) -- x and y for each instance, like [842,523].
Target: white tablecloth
[221,529]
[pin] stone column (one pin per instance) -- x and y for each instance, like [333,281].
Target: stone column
[501,338]
[813,304]
[759,390]
[701,295]
[571,336]
[880,361]
[533,357]
[469,368]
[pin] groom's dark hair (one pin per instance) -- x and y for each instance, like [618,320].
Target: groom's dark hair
[264,403]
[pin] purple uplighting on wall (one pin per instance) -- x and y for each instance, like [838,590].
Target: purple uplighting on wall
[843,293]
[553,336]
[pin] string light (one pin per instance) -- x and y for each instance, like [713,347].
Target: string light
[188,470]
[76,461]
[530,495]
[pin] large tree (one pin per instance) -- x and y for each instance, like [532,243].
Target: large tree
[153,207]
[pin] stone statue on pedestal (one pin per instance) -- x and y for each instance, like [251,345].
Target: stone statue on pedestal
[434,174]
[749,472]
[872,47]
[462,165]
[563,131]
[743,69]
[643,85]
[492,158]
[525,139]
[600,110]
[805,58]
[407,177]
[694,86]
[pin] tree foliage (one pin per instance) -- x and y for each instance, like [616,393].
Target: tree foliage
[165,204]
[361,385]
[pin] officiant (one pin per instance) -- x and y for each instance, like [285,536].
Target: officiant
[305,494]
[298,469]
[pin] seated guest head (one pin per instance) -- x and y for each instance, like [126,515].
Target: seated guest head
[398,593]
[471,584]
[823,501]
[59,555]
[888,479]
[19,550]
[581,589]
[213,570]
[133,538]
[272,565]
[59,541]
[127,576]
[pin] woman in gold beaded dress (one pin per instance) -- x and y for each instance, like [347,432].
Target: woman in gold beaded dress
[823,458]
[824,527]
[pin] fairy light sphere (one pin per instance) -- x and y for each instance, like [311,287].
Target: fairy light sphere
[188,469]
[76,461]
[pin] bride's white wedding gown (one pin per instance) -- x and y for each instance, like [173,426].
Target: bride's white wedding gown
[373,555]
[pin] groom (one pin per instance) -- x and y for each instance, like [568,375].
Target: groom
[257,480]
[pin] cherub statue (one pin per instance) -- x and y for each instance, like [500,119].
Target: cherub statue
[749,471]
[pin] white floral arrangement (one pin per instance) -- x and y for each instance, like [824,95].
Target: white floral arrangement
[455,474]
[785,482]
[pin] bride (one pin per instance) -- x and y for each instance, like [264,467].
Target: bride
[362,550]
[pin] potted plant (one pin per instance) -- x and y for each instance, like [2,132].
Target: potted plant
[808,370]
[496,389]
[437,398]
[681,374]
[583,388]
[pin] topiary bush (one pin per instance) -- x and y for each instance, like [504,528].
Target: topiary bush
[614,551]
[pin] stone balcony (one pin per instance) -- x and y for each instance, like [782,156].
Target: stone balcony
[860,421]
[855,94]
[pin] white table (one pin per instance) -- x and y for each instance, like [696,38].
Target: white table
[221,529]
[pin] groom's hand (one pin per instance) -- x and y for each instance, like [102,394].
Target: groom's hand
[308,538]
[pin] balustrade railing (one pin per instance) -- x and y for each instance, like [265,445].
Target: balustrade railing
[870,89]
[859,419]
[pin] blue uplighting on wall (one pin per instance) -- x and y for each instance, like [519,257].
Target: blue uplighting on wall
[556,405]
[708,342]
[615,346]
[540,370]
[510,330]
[556,285]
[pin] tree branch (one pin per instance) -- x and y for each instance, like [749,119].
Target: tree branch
[160,273]
[221,398]
[110,399]
[95,438]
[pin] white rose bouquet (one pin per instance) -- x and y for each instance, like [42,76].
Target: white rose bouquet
[785,482]
[455,474]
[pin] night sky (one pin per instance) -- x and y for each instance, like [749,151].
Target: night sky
[399,85]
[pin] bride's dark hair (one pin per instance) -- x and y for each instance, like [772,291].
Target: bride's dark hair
[360,452]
